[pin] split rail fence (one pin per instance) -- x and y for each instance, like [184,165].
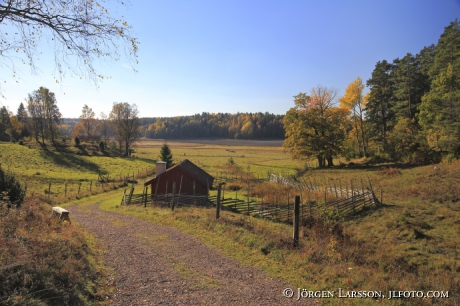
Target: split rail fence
[345,202]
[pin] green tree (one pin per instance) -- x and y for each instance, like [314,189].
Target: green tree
[166,155]
[447,50]
[315,128]
[378,110]
[23,118]
[5,123]
[440,112]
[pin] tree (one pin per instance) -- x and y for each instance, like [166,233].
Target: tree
[378,111]
[440,112]
[315,128]
[37,117]
[88,122]
[354,102]
[44,113]
[23,119]
[104,127]
[125,122]
[80,30]
[166,155]
[5,123]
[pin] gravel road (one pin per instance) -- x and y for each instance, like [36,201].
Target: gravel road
[159,265]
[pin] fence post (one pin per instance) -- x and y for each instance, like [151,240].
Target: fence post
[79,186]
[336,199]
[173,195]
[219,187]
[65,190]
[296,223]
[90,185]
[49,191]
[123,198]
[288,206]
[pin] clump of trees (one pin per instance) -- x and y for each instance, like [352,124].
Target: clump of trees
[411,112]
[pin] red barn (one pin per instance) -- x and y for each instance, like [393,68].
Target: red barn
[194,179]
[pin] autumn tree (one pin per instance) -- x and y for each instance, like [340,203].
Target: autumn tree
[315,127]
[79,32]
[88,122]
[354,102]
[125,122]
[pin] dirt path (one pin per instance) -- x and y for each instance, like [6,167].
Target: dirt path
[157,265]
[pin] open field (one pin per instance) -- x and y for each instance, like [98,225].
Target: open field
[213,155]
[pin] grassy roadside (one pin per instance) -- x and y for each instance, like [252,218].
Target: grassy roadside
[44,262]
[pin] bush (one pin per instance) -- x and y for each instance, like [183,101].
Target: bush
[21,142]
[77,141]
[101,146]
[10,189]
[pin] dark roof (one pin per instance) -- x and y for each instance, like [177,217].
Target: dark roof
[193,169]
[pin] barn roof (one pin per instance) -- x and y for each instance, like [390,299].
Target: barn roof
[193,169]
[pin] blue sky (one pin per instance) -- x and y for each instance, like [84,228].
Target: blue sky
[242,56]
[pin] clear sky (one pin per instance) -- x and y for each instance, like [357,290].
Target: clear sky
[242,56]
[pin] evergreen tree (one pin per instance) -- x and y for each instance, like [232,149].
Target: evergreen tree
[378,110]
[4,123]
[166,155]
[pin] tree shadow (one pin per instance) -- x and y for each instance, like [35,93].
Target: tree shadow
[368,211]
[71,161]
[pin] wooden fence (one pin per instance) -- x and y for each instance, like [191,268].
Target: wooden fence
[343,207]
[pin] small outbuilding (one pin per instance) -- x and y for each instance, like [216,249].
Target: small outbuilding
[189,178]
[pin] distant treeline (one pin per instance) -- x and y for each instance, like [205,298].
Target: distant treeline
[221,125]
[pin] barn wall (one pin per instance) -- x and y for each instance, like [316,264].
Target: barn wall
[175,176]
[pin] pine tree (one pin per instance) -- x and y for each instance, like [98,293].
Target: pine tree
[166,155]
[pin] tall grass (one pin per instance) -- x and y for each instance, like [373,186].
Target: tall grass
[44,262]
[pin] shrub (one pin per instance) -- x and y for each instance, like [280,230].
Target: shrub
[21,142]
[77,141]
[10,189]
[101,146]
